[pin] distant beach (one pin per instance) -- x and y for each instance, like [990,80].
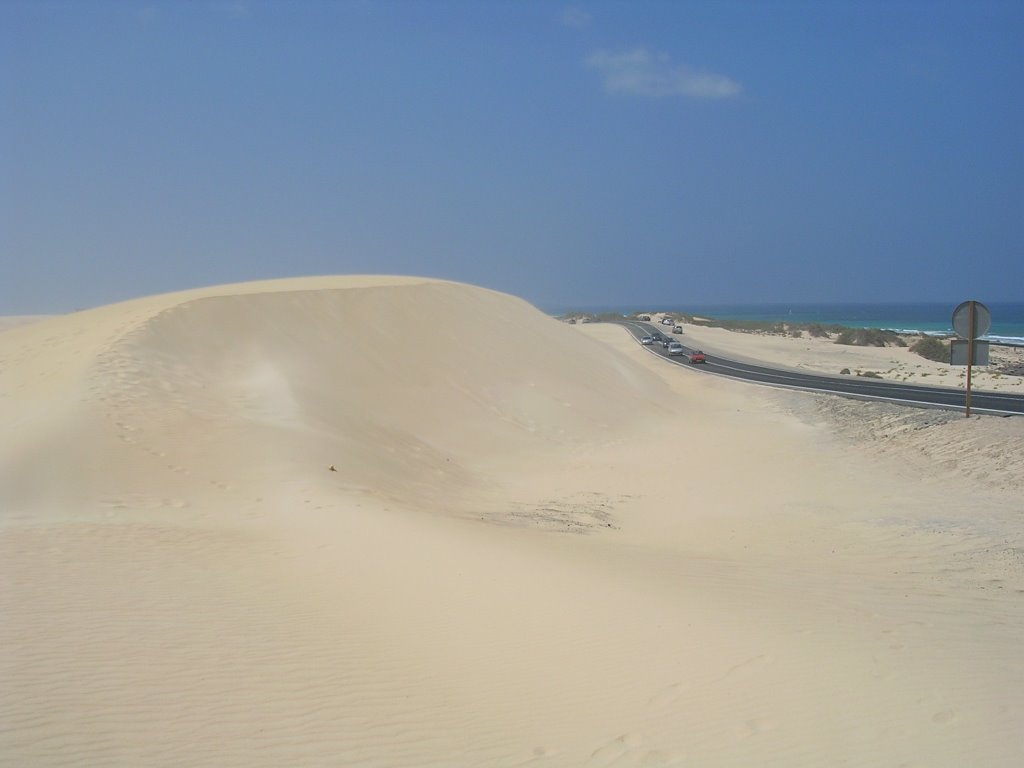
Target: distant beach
[1007,317]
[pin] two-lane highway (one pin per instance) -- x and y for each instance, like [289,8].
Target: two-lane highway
[859,387]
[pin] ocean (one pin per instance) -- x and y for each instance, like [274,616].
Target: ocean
[936,318]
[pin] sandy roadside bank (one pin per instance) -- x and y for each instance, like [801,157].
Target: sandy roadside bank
[1005,374]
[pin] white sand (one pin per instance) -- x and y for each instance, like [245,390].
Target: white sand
[541,546]
[823,355]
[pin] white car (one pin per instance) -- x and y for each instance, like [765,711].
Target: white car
[647,340]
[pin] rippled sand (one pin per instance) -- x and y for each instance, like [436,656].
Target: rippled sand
[404,522]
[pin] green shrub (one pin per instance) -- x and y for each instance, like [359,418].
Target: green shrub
[844,372]
[931,348]
[746,325]
[868,337]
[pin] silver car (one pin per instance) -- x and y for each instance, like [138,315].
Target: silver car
[647,340]
[675,348]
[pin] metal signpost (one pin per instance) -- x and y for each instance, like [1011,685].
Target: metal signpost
[970,320]
[958,352]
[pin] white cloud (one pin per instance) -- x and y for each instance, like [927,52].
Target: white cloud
[645,74]
[576,17]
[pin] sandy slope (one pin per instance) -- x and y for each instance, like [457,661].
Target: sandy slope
[13,321]
[540,546]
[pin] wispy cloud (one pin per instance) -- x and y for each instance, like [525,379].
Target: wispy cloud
[576,17]
[644,73]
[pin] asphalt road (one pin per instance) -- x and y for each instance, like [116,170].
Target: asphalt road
[850,386]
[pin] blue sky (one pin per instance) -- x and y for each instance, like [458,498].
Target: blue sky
[572,154]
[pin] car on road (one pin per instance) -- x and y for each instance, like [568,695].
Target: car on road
[675,348]
[665,341]
[696,356]
[647,340]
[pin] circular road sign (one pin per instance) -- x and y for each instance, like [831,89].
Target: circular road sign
[962,319]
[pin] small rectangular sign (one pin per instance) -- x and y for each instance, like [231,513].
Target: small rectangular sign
[958,352]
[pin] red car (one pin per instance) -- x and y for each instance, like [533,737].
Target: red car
[696,357]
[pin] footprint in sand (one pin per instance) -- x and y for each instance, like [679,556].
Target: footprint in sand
[666,696]
[615,749]
[944,717]
[538,756]
[658,759]
[626,750]
[751,666]
[761,725]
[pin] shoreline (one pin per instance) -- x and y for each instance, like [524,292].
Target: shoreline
[1003,332]
[816,350]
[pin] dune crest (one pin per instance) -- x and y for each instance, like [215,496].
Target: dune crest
[539,545]
[398,383]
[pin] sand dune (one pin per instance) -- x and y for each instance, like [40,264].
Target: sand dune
[392,383]
[537,546]
[13,321]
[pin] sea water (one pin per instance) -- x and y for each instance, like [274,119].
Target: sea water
[931,318]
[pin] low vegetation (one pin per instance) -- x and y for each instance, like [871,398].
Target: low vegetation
[927,346]
[931,348]
[869,337]
[771,327]
[590,317]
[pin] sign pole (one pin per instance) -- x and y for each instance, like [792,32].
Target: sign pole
[971,310]
[971,319]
